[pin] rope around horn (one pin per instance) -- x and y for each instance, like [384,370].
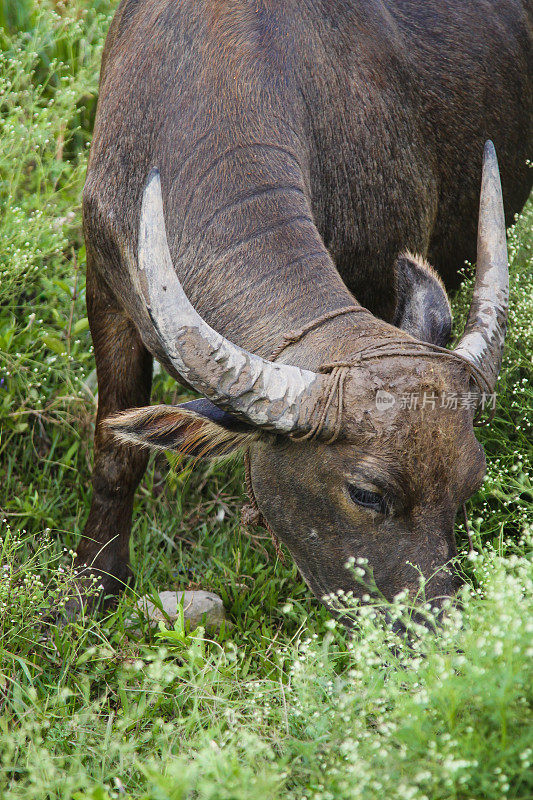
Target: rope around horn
[250,514]
[338,372]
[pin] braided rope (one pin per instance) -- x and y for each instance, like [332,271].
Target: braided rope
[337,372]
[334,387]
[425,350]
[298,333]
[251,514]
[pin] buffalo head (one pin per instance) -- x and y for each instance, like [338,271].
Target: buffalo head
[369,458]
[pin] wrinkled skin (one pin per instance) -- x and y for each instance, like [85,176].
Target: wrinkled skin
[303,490]
[303,147]
[423,462]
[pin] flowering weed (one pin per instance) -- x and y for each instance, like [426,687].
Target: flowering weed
[283,704]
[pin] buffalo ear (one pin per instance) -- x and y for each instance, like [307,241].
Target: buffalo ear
[422,307]
[198,429]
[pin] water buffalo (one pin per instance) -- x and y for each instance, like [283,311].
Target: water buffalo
[259,175]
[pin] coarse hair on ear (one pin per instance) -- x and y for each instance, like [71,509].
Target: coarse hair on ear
[197,429]
[422,307]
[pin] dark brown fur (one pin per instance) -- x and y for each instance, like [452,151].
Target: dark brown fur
[302,147]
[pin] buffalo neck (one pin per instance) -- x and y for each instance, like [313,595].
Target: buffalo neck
[246,248]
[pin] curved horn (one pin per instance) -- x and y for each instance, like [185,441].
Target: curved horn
[279,397]
[484,335]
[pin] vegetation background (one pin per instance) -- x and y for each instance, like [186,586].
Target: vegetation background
[283,704]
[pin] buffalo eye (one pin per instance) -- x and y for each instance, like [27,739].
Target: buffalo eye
[367,499]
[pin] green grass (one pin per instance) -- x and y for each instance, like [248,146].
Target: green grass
[282,705]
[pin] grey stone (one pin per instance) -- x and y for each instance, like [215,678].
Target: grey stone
[195,606]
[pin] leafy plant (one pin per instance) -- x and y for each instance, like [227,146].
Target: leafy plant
[283,704]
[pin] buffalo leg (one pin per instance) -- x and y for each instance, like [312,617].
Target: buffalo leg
[124,371]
